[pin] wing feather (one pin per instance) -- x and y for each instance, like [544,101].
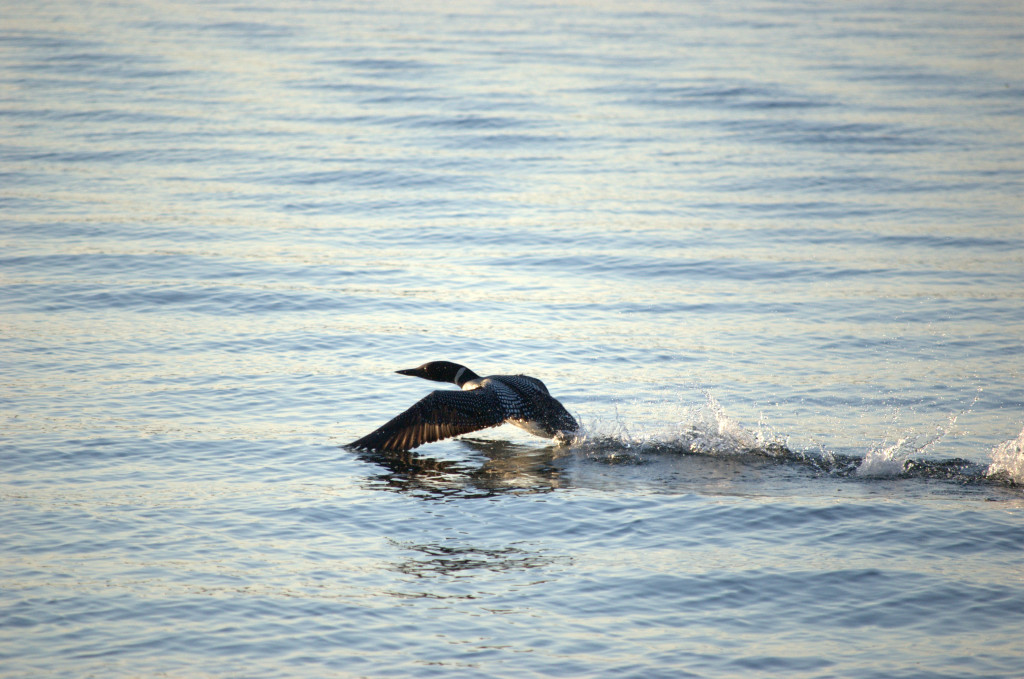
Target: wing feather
[534,382]
[438,415]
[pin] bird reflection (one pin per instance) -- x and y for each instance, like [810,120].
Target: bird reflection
[447,569]
[505,468]
[435,559]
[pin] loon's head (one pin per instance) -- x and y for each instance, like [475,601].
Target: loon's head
[442,371]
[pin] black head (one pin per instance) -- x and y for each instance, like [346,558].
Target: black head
[441,371]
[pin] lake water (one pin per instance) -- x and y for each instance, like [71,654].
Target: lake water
[770,254]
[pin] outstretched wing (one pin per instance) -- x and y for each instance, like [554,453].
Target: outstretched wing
[532,382]
[438,415]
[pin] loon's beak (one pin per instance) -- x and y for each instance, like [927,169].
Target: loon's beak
[409,371]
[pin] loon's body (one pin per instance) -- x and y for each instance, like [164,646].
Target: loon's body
[483,402]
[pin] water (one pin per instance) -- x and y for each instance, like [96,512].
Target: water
[769,254]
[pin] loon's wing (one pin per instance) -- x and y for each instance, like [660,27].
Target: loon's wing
[533,382]
[438,415]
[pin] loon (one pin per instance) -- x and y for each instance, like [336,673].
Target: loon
[483,402]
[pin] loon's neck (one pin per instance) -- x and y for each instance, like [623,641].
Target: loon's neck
[464,375]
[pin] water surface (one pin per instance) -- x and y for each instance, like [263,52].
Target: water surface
[769,254]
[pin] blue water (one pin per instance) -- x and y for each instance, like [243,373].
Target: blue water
[770,254]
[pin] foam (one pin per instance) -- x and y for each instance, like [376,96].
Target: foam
[1008,461]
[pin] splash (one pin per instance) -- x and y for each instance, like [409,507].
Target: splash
[1008,461]
[714,432]
[890,459]
[704,429]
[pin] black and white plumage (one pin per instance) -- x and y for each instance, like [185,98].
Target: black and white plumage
[483,402]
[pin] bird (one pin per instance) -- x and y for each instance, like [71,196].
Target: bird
[482,402]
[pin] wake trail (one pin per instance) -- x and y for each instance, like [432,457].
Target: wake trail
[709,431]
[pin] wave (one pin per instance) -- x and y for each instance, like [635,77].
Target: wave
[709,431]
